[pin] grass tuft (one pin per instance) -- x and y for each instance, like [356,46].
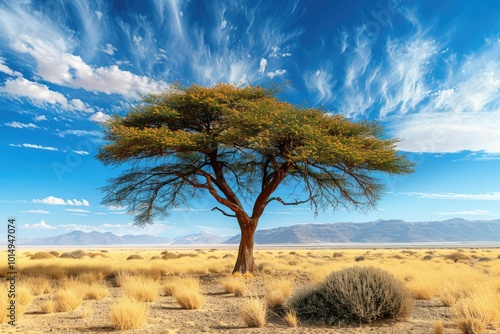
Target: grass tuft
[253,312]
[128,313]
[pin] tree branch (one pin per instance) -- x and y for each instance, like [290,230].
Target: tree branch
[223,212]
[279,199]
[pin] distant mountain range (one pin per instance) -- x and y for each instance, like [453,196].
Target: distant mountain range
[381,231]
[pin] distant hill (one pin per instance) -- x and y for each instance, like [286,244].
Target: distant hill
[79,238]
[201,238]
[381,231]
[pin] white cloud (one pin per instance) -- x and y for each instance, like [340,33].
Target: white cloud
[20,125]
[5,69]
[448,132]
[40,118]
[77,210]
[263,65]
[40,94]
[493,196]
[474,212]
[79,133]
[51,200]
[116,208]
[39,212]
[38,147]
[109,49]
[321,84]
[42,225]
[277,73]
[81,152]
[99,117]
[118,229]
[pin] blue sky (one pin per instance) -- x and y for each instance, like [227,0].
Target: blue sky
[429,71]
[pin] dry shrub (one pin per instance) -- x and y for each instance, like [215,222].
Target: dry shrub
[236,286]
[188,295]
[128,313]
[167,256]
[277,292]
[470,326]
[67,300]
[55,253]
[42,256]
[155,257]
[96,291]
[253,312]
[173,284]
[141,288]
[353,296]
[438,327]
[228,256]
[135,257]
[47,306]
[457,256]
[266,268]
[78,254]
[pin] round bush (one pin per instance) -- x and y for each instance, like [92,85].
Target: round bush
[354,296]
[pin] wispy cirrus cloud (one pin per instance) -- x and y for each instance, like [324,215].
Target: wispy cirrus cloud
[34,146]
[38,212]
[493,196]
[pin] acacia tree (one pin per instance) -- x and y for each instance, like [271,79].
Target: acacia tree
[238,144]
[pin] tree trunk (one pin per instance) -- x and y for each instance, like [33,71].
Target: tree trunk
[244,262]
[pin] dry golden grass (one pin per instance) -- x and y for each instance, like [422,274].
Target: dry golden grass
[38,285]
[479,309]
[236,286]
[253,312]
[67,300]
[438,327]
[173,283]
[128,313]
[188,297]
[4,303]
[291,318]
[23,295]
[141,288]
[47,306]
[277,292]
[96,291]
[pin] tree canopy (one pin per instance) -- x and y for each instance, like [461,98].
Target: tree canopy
[238,144]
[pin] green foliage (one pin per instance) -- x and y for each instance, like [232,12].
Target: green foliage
[353,296]
[239,144]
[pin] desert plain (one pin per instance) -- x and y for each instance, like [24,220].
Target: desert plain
[163,290]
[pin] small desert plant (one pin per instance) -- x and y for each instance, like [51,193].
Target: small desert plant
[23,295]
[291,318]
[67,300]
[173,284]
[42,256]
[96,291]
[135,257]
[277,292]
[253,312]
[167,256]
[188,296]
[141,288]
[228,256]
[352,296]
[359,258]
[427,258]
[266,268]
[236,286]
[38,285]
[48,306]
[337,254]
[128,313]
[55,253]
[438,327]
[457,256]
